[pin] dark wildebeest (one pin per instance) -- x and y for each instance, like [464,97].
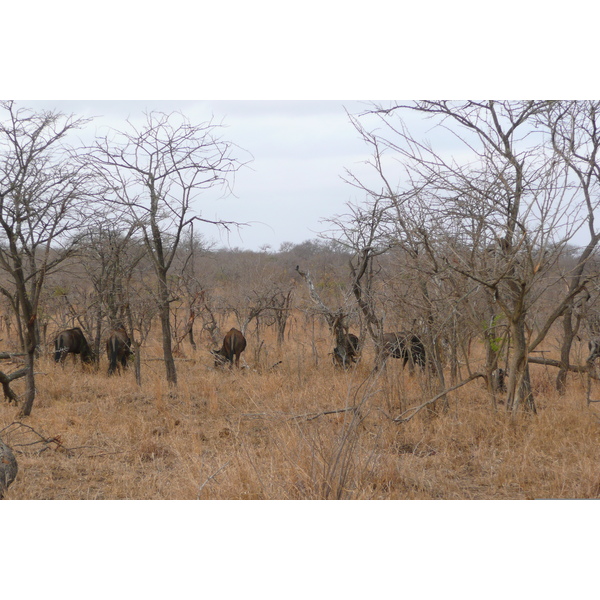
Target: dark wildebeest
[594,346]
[234,344]
[499,379]
[72,341]
[118,349]
[346,350]
[405,345]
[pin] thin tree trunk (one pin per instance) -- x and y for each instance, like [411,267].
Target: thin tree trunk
[519,380]
[565,352]
[165,321]
[30,362]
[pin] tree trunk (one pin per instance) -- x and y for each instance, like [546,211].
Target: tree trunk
[519,380]
[190,328]
[565,352]
[30,363]
[165,321]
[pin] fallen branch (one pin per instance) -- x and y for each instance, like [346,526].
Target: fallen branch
[415,409]
[10,430]
[48,443]
[11,354]
[5,380]
[162,359]
[311,416]
[550,362]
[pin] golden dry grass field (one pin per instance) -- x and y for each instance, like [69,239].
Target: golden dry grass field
[287,433]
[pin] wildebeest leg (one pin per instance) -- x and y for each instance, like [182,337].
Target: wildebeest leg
[112,364]
[63,357]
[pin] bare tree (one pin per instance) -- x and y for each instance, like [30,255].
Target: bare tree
[110,259]
[499,216]
[281,305]
[42,194]
[337,320]
[156,172]
[575,132]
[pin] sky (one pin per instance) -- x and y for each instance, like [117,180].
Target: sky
[297,156]
[298,151]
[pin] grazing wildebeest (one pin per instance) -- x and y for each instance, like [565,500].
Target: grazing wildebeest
[8,467]
[118,349]
[594,346]
[72,341]
[346,350]
[403,344]
[234,343]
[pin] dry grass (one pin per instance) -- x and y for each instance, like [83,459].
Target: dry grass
[260,434]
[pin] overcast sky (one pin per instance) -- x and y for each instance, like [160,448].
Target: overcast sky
[299,152]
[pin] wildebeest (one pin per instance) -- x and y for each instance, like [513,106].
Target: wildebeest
[499,380]
[118,349]
[72,341]
[405,345]
[234,344]
[594,346]
[346,350]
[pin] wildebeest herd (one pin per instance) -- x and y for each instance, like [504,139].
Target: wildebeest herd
[401,344]
[73,341]
[118,348]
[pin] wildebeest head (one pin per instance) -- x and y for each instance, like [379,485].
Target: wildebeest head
[72,341]
[405,345]
[234,344]
[118,349]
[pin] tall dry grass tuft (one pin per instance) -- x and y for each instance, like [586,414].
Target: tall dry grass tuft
[297,430]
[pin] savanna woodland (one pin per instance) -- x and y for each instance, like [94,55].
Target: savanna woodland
[438,341]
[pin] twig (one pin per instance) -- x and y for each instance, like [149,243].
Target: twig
[175,359]
[311,416]
[415,409]
[43,440]
[211,477]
